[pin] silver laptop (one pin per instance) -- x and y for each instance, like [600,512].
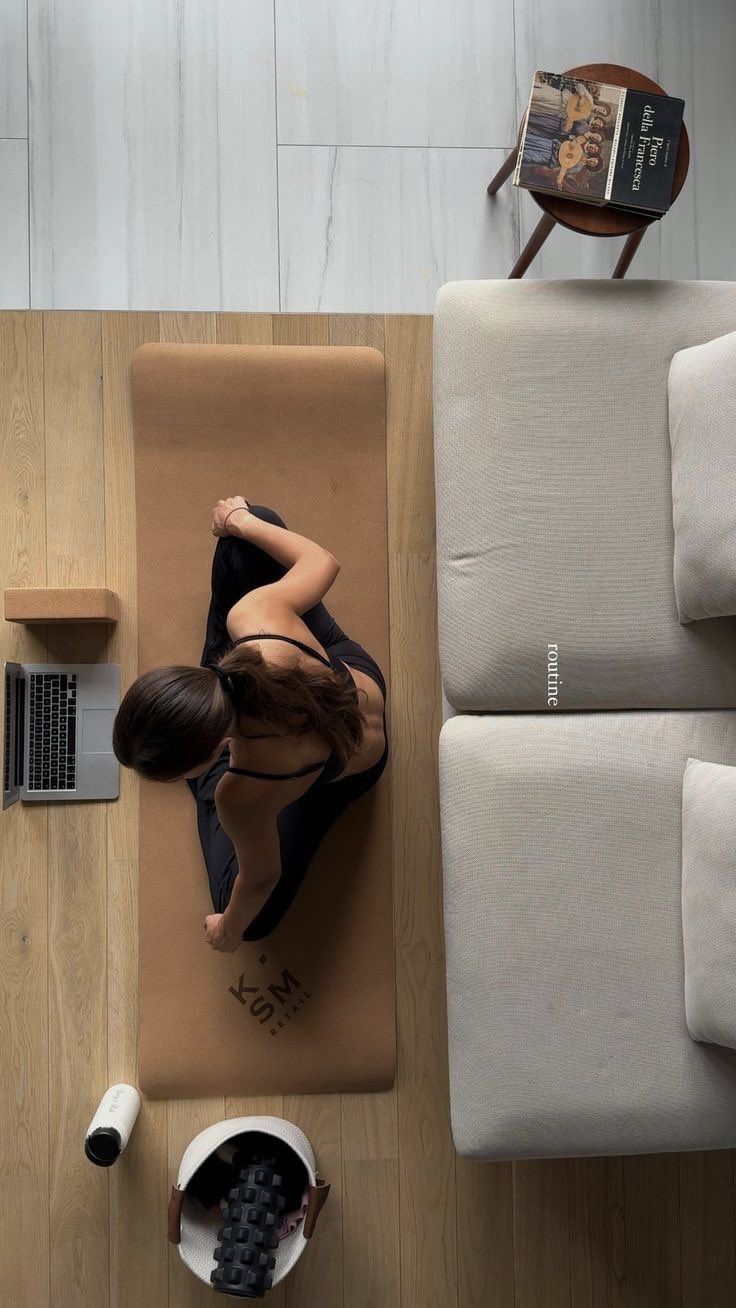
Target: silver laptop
[58,731]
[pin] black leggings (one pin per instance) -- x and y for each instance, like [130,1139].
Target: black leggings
[238,567]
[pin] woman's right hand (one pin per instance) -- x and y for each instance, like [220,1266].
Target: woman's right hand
[222,523]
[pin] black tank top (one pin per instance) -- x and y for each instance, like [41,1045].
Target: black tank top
[330,766]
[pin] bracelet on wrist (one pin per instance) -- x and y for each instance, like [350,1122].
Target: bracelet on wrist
[240,509]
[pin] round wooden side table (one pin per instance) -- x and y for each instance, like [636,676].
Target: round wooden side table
[591,219]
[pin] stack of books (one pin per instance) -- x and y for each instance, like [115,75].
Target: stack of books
[602,144]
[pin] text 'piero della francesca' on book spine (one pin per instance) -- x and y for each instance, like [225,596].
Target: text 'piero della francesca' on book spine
[598,143]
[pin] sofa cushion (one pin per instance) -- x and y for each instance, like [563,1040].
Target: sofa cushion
[702,422]
[554,496]
[562,898]
[709,900]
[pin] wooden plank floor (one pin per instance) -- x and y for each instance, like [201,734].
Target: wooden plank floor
[408,1224]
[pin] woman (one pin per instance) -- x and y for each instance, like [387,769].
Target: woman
[279,729]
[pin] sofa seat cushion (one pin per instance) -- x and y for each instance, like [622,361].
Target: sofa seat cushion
[563,924]
[554,496]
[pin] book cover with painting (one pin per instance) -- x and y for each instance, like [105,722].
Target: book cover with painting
[602,144]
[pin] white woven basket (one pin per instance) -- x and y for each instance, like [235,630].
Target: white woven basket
[196,1231]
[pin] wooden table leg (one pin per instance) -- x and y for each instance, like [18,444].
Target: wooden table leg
[533,245]
[506,169]
[631,246]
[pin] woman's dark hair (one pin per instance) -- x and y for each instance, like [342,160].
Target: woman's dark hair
[172,719]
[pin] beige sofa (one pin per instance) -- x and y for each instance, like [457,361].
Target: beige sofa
[573,697]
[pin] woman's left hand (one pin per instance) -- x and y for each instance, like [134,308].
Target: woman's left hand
[220,936]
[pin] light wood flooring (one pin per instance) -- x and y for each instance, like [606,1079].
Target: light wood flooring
[408,1223]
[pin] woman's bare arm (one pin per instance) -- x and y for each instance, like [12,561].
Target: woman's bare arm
[259,868]
[252,828]
[311,568]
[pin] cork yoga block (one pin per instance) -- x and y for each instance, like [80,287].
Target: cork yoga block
[49,604]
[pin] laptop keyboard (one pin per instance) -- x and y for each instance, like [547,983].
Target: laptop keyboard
[6,759]
[52,754]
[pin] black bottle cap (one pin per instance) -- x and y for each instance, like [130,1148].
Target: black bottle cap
[104,1146]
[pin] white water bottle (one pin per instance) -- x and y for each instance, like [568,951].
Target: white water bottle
[109,1131]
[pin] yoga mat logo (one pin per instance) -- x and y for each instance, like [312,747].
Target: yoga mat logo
[275,1003]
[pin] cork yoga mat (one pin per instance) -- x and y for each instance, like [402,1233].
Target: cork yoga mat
[310,1008]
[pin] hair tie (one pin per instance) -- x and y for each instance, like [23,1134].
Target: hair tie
[225,681]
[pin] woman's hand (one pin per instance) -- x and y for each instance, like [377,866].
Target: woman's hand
[221,511]
[219,934]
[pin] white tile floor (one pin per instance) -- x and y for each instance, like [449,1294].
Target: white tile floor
[320,154]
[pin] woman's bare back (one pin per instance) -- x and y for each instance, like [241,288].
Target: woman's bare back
[259,749]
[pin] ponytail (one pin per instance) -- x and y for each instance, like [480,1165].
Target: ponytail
[296,699]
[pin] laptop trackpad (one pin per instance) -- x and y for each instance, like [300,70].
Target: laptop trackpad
[97,731]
